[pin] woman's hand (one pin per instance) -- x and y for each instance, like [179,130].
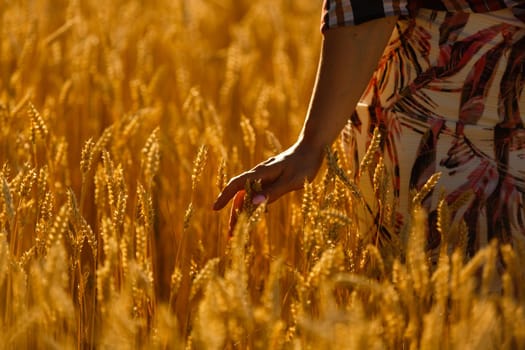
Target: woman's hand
[278,175]
[349,56]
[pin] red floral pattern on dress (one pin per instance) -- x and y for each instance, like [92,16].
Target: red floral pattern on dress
[447,96]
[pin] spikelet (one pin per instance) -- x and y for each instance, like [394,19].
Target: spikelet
[75,219]
[330,262]
[109,171]
[120,209]
[58,32]
[222,178]
[65,91]
[483,329]
[105,288]
[41,182]
[86,159]
[416,257]
[433,335]
[204,276]
[282,66]
[104,278]
[308,207]
[59,227]
[379,175]
[166,334]
[212,323]
[141,244]
[139,94]
[100,193]
[333,166]
[341,198]
[187,217]
[464,283]
[513,322]
[397,273]
[256,215]
[233,62]
[26,257]
[193,103]
[60,154]
[456,267]
[55,271]
[7,199]
[6,170]
[335,217]
[38,126]
[146,213]
[278,335]
[513,277]
[359,281]
[462,234]
[213,138]
[443,224]
[175,283]
[308,210]
[248,135]
[84,231]
[124,257]
[426,189]
[130,125]
[150,158]
[273,141]
[198,166]
[393,314]
[27,183]
[369,156]
[103,141]
[47,206]
[462,200]
[237,275]
[295,311]
[141,287]
[441,281]
[261,114]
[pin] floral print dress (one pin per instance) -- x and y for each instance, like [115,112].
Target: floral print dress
[447,97]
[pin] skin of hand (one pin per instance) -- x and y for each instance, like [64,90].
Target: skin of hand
[349,56]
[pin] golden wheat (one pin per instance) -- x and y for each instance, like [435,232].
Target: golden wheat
[119,124]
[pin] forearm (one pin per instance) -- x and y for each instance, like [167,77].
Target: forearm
[349,57]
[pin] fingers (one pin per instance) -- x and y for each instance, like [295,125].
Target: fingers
[266,174]
[278,176]
[234,185]
[291,179]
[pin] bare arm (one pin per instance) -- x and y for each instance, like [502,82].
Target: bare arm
[349,57]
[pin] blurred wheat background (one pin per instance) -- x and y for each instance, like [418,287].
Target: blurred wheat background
[120,122]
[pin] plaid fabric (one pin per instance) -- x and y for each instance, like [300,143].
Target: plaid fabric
[338,13]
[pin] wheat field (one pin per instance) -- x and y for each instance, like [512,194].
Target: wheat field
[121,121]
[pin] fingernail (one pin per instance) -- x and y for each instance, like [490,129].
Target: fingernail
[259,199]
